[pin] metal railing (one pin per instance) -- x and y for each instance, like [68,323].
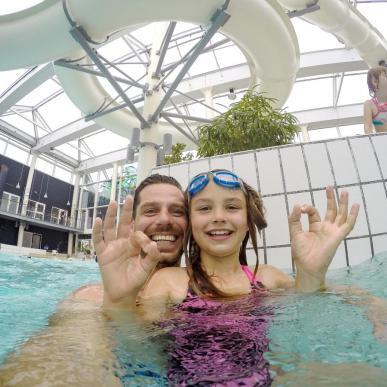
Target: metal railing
[13,208]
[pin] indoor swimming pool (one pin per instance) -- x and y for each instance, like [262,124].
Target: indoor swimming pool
[321,338]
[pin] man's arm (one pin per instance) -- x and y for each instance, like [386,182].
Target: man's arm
[75,349]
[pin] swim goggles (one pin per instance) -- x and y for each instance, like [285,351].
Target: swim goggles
[223,178]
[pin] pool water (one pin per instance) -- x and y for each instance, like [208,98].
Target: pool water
[330,328]
[30,289]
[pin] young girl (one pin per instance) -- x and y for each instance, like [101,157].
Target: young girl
[222,313]
[375,109]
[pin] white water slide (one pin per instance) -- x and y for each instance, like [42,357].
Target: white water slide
[260,28]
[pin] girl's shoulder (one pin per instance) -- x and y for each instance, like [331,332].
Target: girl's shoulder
[273,278]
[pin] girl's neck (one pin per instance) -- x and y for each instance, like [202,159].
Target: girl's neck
[221,266]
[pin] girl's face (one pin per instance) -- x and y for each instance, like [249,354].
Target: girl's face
[218,217]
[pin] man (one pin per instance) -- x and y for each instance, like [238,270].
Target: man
[131,253]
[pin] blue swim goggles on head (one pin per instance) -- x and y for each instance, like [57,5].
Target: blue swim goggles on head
[223,178]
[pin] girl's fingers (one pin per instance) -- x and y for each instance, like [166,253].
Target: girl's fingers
[331,213]
[342,212]
[352,216]
[294,220]
[313,215]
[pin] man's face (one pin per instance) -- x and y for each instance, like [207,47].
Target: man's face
[161,216]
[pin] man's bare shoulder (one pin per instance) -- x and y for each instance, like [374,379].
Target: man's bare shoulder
[171,275]
[93,292]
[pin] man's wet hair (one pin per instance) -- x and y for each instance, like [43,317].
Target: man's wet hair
[150,180]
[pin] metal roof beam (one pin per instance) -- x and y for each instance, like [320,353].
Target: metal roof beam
[33,79]
[66,133]
[331,117]
[103,161]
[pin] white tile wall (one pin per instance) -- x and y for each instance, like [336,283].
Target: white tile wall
[197,167]
[344,170]
[376,207]
[244,167]
[269,172]
[318,165]
[371,196]
[359,250]
[296,178]
[277,232]
[365,159]
[380,144]
[221,162]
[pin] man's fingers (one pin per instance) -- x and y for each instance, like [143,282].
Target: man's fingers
[342,213]
[109,223]
[146,248]
[331,213]
[294,220]
[98,241]
[125,222]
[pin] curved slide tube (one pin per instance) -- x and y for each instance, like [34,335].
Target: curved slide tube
[348,24]
[40,34]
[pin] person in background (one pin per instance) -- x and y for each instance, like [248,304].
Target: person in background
[375,109]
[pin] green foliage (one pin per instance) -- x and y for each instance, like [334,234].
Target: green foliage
[177,154]
[128,182]
[251,123]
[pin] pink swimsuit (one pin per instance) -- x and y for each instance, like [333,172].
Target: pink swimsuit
[218,343]
[381,117]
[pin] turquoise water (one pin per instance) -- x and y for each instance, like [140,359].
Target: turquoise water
[30,289]
[330,328]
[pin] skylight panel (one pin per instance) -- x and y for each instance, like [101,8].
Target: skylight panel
[354,89]
[144,34]
[68,150]
[7,78]
[15,153]
[173,55]
[59,111]
[203,64]
[40,93]
[106,142]
[312,38]
[229,56]
[376,15]
[352,130]
[310,95]
[21,123]
[114,49]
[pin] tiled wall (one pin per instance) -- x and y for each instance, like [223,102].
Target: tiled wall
[298,173]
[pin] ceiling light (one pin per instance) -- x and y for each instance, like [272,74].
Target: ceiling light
[231,95]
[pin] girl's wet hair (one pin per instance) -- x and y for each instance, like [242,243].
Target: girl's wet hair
[374,73]
[199,280]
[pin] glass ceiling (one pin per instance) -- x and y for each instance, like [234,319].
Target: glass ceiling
[47,108]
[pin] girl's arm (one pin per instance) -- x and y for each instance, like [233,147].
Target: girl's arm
[367,117]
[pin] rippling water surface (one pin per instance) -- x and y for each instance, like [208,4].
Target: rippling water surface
[328,334]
